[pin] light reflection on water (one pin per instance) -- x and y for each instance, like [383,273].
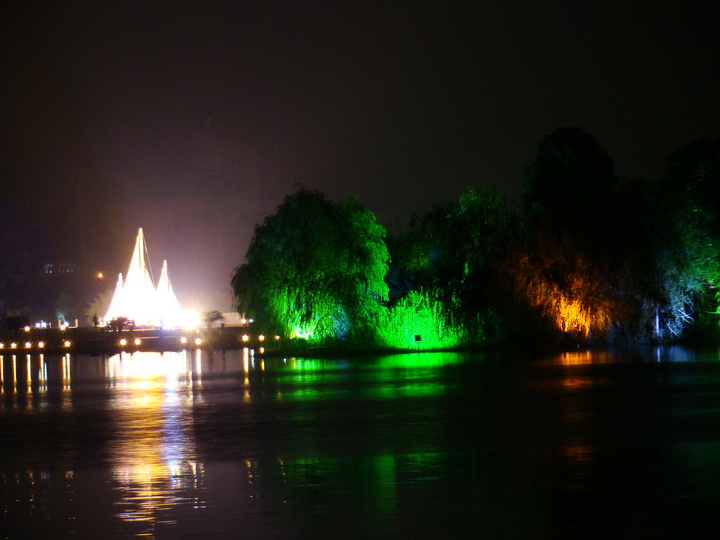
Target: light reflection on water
[154,457]
[227,444]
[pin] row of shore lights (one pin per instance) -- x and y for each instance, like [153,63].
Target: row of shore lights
[40,344]
[198,341]
[123,342]
[29,345]
[137,341]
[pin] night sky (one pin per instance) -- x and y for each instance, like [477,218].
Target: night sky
[193,119]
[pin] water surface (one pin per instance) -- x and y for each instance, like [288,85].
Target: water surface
[229,445]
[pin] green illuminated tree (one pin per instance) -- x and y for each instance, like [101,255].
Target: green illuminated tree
[315,269]
[479,230]
[419,321]
[448,258]
[415,253]
[689,263]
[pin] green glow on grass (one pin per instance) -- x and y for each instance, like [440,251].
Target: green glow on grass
[418,315]
[303,332]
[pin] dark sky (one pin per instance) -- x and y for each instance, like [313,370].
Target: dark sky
[402,103]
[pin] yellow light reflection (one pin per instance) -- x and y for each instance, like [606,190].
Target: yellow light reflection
[154,458]
[576,358]
[66,371]
[42,376]
[583,358]
[146,365]
[198,362]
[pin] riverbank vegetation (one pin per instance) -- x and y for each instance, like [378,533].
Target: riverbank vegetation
[588,258]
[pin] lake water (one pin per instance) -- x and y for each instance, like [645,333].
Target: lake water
[435,445]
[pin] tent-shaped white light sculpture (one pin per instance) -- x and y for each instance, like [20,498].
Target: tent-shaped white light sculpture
[137,298]
[171,314]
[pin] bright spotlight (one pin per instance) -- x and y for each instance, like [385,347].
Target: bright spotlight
[191,319]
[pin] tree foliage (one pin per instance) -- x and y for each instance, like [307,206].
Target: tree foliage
[590,258]
[448,255]
[419,321]
[631,261]
[212,316]
[315,269]
[416,252]
[689,262]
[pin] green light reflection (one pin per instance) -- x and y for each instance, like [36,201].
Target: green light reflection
[383,377]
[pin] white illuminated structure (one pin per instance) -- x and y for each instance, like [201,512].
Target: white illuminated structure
[139,300]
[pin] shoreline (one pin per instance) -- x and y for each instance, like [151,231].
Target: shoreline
[102,340]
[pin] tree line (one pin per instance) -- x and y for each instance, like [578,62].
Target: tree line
[587,258]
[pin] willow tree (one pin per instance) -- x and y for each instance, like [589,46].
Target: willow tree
[565,271]
[444,273]
[689,265]
[315,270]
